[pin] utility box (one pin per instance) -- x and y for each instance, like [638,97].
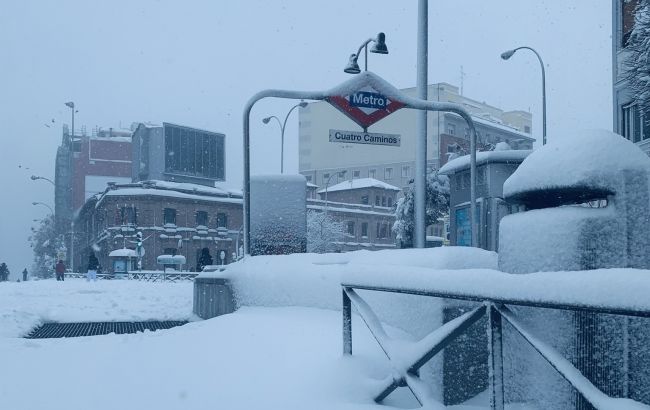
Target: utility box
[586,205]
[492,168]
[278,214]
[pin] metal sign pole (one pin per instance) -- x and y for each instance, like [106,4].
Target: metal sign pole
[357,83]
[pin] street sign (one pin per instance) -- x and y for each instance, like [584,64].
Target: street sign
[365,106]
[371,138]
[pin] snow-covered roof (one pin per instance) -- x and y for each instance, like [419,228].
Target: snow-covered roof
[590,159]
[124,252]
[183,186]
[135,191]
[360,183]
[485,157]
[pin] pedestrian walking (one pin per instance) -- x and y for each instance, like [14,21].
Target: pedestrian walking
[93,263]
[60,270]
[25,275]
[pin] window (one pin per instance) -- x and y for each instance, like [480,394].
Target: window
[406,171]
[326,177]
[628,9]
[377,200]
[202,218]
[308,178]
[382,230]
[169,216]
[222,220]
[632,123]
[127,215]
[194,152]
[451,129]
[388,173]
[364,229]
[390,201]
[372,173]
[356,174]
[364,199]
[527,129]
[351,228]
[383,201]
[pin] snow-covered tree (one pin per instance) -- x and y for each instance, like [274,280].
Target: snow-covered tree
[46,243]
[4,272]
[322,232]
[638,61]
[437,205]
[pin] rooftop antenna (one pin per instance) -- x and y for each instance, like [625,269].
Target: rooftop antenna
[462,79]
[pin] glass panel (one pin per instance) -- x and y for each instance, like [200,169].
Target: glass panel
[191,150]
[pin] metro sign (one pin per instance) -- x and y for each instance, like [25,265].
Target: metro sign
[365,106]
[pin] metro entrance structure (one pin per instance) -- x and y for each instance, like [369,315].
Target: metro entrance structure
[366,99]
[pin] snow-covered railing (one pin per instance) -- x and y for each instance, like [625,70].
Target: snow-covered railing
[626,296]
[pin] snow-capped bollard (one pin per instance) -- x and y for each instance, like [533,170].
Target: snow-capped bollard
[587,206]
[213,296]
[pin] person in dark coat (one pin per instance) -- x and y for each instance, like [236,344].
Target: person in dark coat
[25,275]
[60,270]
[93,263]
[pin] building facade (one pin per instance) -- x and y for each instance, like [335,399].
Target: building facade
[448,134]
[177,153]
[174,219]
[629,120]
[84,165]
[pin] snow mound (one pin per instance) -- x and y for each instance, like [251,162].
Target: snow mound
[485,157]
[592,159]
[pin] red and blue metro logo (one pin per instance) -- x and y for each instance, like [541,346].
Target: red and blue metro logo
[365,106]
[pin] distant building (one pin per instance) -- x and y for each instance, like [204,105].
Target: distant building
[177,153]
[174,218]
[83,167]
[492,170]
[448,134]
[365,207]
[629,120]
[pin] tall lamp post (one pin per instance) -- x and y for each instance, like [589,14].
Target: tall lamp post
[506,55]
[283,126]
[379,47]
[341,174]
[70,104]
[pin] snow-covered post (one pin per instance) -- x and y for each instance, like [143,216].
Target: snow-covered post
[347,324]
[421,128]
[495,359]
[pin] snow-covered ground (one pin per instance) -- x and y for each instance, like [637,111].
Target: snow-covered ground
[281,350]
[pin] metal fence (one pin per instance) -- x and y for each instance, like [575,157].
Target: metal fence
[406,365]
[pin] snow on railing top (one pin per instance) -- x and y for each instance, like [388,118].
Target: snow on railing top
[618,290]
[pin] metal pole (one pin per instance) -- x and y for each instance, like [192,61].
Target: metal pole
[421,127]
[347,324]
[72,194]
[495,359]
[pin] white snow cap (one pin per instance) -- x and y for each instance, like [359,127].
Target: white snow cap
[358,183]
[589,158]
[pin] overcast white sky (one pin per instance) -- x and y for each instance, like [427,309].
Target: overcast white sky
[197,62]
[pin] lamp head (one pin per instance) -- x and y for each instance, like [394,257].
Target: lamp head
[379,46]
[266,120]
[507,54]
[302,104]
[34,203]
[70,104]
[353,66]
[33,177]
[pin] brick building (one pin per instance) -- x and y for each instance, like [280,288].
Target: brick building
[174,218]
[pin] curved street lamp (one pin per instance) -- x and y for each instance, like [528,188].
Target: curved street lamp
[45,205]
[35,177]
[506,55]
[379,47]
[301,104]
